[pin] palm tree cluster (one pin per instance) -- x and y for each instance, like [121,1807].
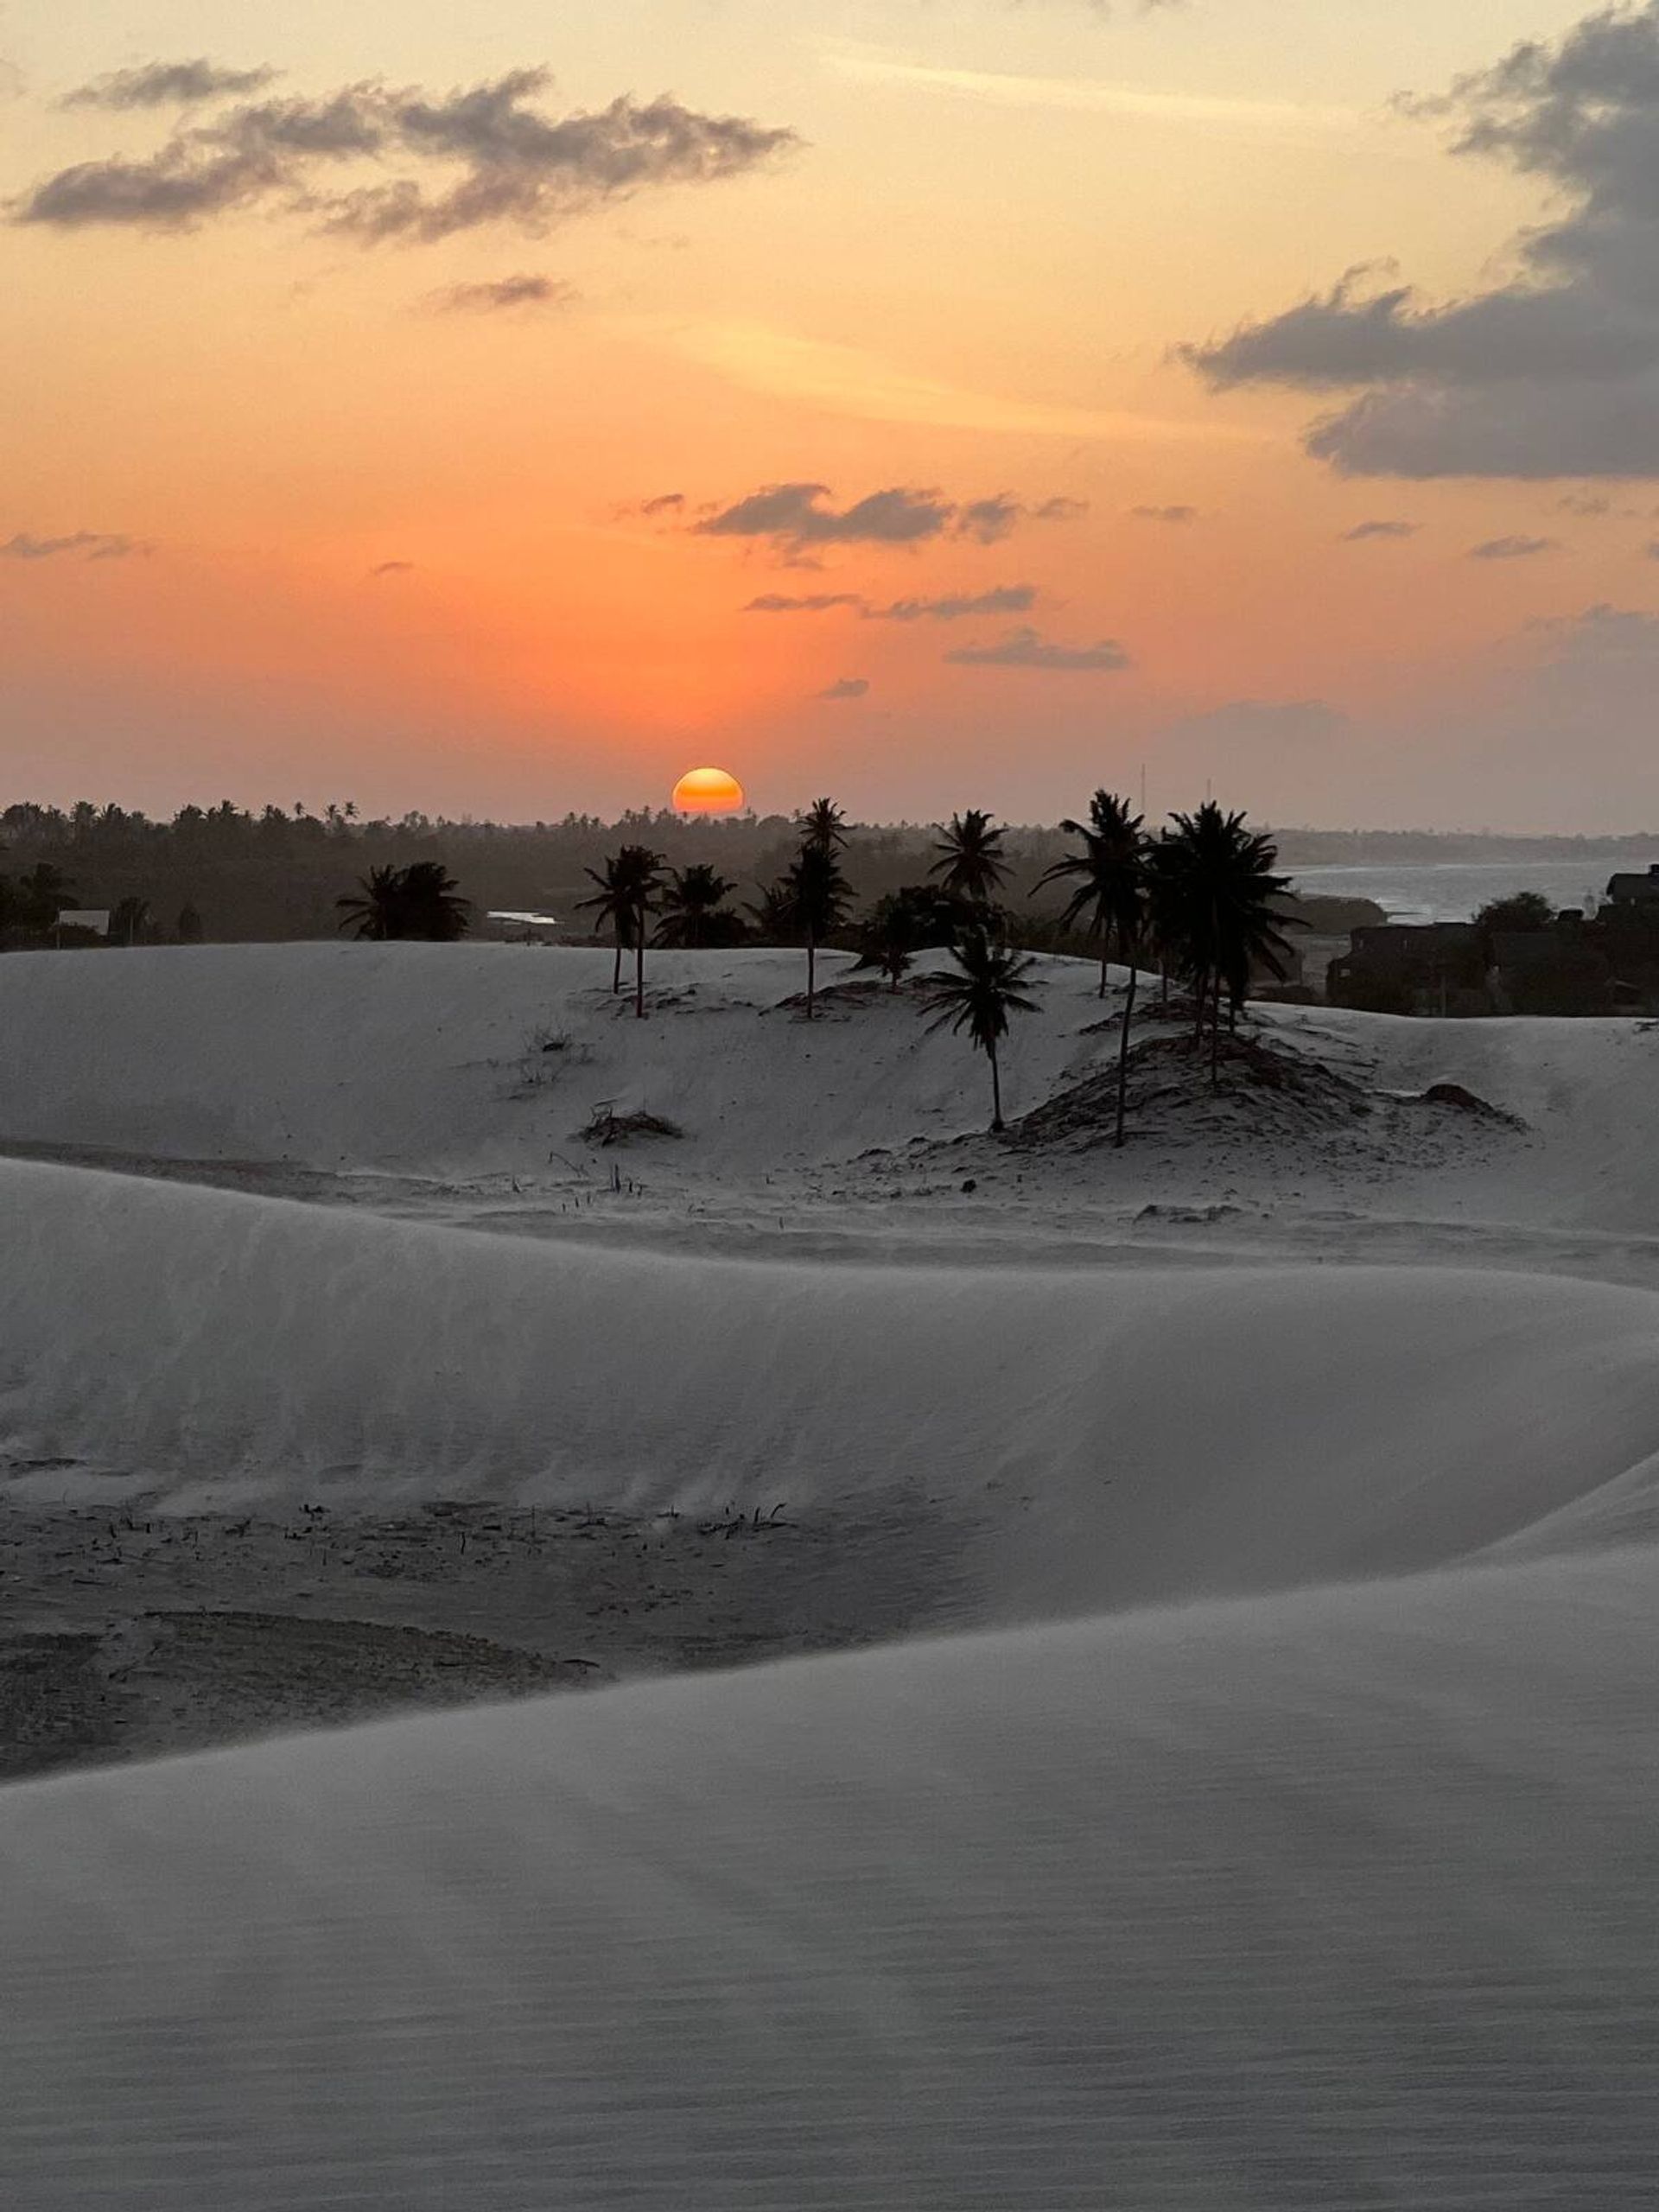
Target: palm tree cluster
[1201,897]
[417,901]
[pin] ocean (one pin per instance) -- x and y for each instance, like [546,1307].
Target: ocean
[1454,891]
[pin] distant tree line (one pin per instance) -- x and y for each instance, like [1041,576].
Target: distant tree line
[232,875]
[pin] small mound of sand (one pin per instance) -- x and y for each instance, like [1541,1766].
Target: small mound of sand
[1170,1083]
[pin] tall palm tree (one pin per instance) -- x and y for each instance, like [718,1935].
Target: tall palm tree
[1212,898]
[818,896]
[692,906]
[971,864]
[628,882]
[822,823]
[979,998]
[1109,875]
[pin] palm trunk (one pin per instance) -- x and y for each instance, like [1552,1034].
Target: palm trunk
[640,971]
[1123,1054]
[1215,1034]
[616,967]
[996,1092]
[1105,951]
[812,977]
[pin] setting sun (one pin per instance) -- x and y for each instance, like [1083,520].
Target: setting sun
[708,791]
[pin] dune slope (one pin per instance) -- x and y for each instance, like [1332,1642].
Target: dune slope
[1337,1900]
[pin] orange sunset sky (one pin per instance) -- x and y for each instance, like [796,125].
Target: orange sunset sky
[945,402]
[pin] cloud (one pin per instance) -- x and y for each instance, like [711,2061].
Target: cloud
[664,502]
[167,84]
[1380,527]
[484,155]
[1026,648]
[1552,372]
[89,545]
[845,687]
[392,569]
[817,602]
[1285,119]
[500,294]
[795,515]
[1512,549]
[1165,514]
[1000,598]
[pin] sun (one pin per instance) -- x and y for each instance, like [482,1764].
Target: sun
[707,790]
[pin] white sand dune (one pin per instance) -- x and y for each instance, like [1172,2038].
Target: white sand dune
[1117,1435]
[1283,1837]
[429,1060]
[1341,1900]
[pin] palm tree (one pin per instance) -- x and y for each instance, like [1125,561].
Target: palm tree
[971,864]
[773,914]
[431,906]
[1212,893]
[1110,878]
[979,997]
[40,894]
[371,910]
[817,895]
[822,823]
[890,936]
[629,882]
[693,917]
[417,901]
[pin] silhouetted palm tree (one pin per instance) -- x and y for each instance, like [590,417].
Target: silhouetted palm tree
[1212,893]
[890,936]
[817,895]
[1110,878]
[431,906]
[40,894]
[693,916]
[129,920]
[823,824]
[629,882]
[971,864]
[417,901]
[979,998]
[371,910]
[773,915]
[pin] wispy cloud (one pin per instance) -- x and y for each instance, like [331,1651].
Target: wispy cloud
[500,295]
[845,687]
[1512,549]
[1091,95]
[1380,526]
[1164,514]
[85,544]
[392,569]
[1026,648]
[167,84]
[1000,598]
[846,380]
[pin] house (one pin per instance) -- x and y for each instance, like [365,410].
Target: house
[1630,889]
[1561,969]
[1410,968]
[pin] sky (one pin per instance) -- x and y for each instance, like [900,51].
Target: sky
[500,410]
